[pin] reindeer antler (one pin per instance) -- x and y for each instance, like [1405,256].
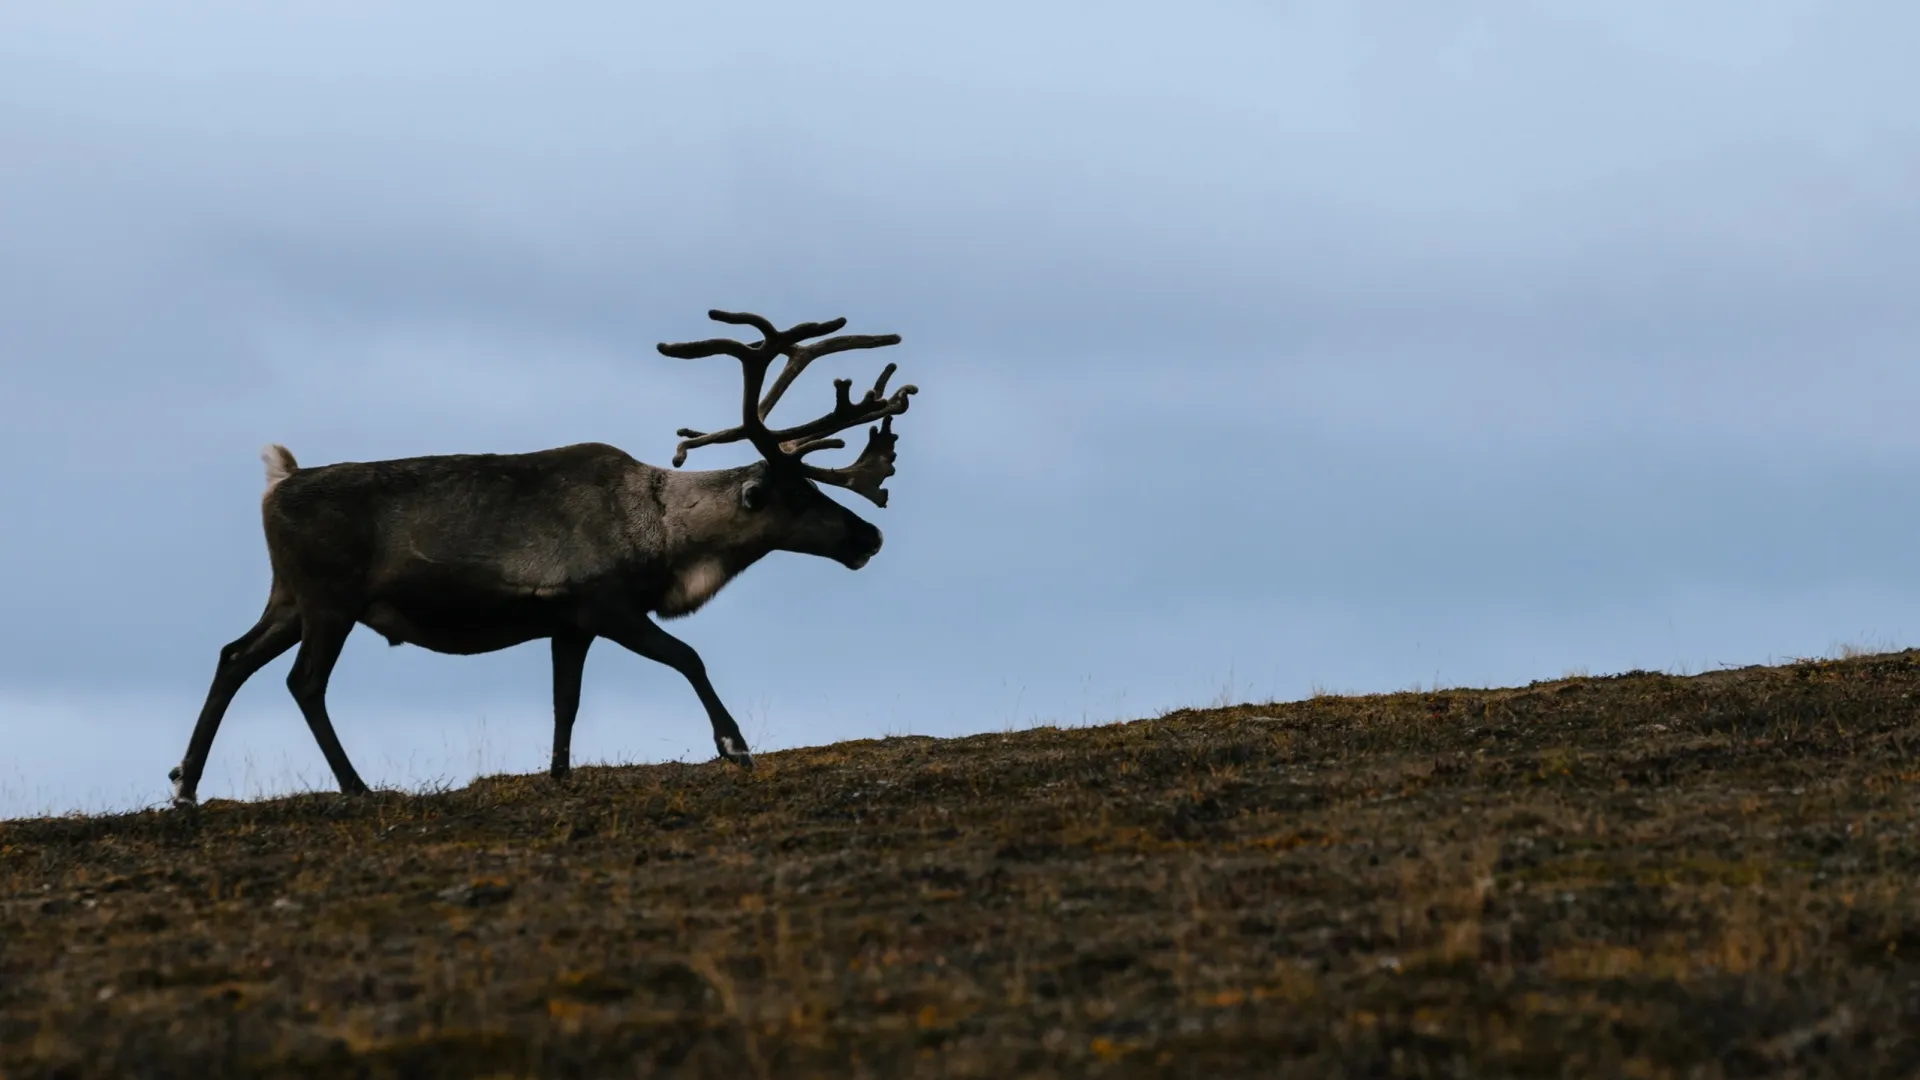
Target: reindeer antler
[874,464]
[867,472]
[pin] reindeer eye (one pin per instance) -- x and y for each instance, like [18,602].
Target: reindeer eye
[753,495]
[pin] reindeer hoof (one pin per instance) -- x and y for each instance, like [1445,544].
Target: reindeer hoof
[182,799]
[735,750]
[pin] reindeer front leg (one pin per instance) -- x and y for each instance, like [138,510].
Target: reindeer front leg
[641,635]
[569,663]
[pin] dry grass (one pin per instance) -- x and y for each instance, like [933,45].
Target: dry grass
[1641,876]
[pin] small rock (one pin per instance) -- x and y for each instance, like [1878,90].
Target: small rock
[286,903]
[478,893]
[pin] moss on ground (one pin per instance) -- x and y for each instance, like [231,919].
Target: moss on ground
[1641,875]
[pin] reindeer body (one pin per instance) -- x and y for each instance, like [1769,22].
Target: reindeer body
[457,552]
[473,553]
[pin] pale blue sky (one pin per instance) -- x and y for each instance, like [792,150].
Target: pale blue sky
[1262,347]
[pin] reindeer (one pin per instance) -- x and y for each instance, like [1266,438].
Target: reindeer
[472,553]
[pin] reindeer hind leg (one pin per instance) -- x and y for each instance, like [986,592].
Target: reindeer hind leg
[323,634]
[277,631]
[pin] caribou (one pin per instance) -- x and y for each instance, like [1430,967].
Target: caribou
[472,553]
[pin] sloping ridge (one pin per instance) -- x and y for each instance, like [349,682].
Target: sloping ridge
[1652,872]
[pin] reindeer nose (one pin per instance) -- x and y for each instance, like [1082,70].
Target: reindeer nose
[866,546]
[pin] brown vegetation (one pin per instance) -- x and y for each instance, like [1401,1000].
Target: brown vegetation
[1642,875]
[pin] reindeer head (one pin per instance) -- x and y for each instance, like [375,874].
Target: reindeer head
[779,500]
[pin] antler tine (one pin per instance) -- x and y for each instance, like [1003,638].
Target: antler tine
[693,440]
[799,356]
[747,318]
[694,350]
[847,413]
[806,330]
[868,471]
[811,445]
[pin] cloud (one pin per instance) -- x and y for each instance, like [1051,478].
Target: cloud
[1321,346]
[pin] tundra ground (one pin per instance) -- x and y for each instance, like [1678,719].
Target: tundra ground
[1643,875]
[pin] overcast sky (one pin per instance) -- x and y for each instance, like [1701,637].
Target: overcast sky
[1263,347]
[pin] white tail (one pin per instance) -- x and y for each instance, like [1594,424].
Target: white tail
[280,463]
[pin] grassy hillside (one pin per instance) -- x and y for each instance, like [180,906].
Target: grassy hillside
[1642,875]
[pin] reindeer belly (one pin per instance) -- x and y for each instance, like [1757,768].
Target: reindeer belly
[465,628]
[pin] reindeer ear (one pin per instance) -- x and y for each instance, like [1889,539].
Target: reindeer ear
[753,494]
